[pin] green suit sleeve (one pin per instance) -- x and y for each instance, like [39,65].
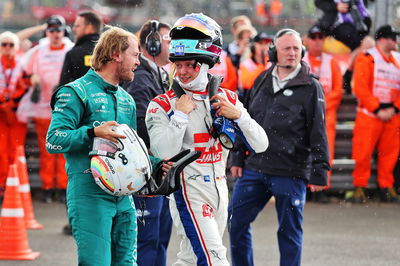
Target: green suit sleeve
[65,134]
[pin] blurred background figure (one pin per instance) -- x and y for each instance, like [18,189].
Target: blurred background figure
[154,219]
[327,69]
[377,86]
[251,67]
[276,8]
[227,70]
[233,49]
[12,88]
[44,63]
[87,28]
[348,21]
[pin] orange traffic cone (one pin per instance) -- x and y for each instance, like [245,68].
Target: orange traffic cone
[25,190]
[13,236]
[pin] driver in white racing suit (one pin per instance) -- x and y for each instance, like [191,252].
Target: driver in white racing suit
[199,208]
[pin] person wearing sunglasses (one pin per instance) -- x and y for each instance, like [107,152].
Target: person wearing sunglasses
[327,69]
[44,63]
[376,86]
[12,88]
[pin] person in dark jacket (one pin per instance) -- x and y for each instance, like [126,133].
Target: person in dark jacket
[86,28]
[347,21]
[154,219]
[288,102]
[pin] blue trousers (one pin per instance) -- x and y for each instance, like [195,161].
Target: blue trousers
[154,230]
[251,193]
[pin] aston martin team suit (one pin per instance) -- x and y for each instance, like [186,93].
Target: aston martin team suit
[377,86]
[78,107]
[330,77]
[199,208]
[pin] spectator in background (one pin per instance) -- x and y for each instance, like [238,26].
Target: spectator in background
[288,101]
[327,69]
[227,70]
[12,88]
[44,63]
[251,67]
[377,86]
[348,21]
[233,49]
[154,218]
[276,8]
[243,37]
[87,28]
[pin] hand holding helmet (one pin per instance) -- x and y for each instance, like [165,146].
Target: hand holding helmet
[224,108]
[107,131]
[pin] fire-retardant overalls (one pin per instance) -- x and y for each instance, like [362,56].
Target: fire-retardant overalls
[330,77]
[47,63]
[12,132]
[100,222]
[376,84]
[199,208]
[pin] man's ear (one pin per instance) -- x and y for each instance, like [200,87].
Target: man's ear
[117,57]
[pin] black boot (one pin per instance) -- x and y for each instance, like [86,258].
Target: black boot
[62,196]
[48,195]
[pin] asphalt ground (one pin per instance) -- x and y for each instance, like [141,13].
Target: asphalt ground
[334,234]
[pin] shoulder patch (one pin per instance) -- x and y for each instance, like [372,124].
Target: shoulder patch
[78,88]
[171,94]
[163,101]
[230,95]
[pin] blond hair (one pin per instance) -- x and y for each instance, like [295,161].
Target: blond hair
[237,19]
[113,40]
[245,28]
[9,35]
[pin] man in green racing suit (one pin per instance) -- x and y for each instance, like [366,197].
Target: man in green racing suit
[104,226]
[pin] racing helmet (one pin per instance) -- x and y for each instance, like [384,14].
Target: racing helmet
[196,36]
[120,168]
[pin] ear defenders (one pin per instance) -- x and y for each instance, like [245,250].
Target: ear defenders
[153,39]
[272,54]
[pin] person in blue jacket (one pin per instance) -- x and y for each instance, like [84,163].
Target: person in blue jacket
[104,226]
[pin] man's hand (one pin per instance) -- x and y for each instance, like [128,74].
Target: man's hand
[236,171]
[185,104]
[342,7]
[386,114]
[35,79]
[106,131]
[225,108]
[166,166]
[315,188]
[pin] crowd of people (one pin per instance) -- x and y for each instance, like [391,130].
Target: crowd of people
[280,99]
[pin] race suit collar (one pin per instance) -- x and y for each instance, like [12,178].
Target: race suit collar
[102,83]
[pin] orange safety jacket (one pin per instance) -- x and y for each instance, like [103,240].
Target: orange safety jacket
[376,80]
[227,70]
[249,71]
[330,77]
[12,87]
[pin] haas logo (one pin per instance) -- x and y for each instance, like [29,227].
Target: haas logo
[207,211]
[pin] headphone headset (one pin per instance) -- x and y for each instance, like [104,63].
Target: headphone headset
[272,54]
[153,39]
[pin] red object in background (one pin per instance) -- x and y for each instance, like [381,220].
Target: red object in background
[70,10]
